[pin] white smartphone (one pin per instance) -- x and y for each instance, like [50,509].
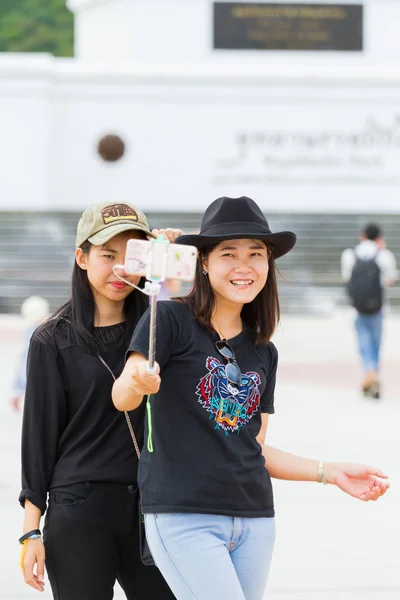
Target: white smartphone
[160,260]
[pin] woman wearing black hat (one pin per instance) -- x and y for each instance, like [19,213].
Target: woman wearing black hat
[77,451]
[205,473]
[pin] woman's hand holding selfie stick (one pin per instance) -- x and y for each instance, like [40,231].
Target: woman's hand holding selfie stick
[144,381]
[140,376]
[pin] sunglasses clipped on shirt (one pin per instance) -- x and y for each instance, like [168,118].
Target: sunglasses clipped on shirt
[232,369]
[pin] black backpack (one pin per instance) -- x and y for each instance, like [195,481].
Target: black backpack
[364,288]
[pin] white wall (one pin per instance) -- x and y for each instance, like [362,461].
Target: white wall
[26,107]
[180,31]
[302,140]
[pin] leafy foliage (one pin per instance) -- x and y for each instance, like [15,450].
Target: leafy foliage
[36,26]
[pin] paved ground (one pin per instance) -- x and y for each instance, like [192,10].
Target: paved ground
[329,546]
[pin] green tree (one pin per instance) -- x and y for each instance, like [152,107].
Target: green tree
[36,26]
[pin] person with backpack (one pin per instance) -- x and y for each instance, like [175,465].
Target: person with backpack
[367,270]
[205,471]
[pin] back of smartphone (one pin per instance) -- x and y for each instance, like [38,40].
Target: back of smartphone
[180,260]
[137,257]
[181,263]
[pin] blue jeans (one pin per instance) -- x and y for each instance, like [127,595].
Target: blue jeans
[369,333]
[212,557]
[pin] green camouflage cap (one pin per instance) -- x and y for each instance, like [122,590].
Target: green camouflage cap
[101,222]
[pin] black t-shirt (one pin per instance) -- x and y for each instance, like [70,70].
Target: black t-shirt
[72,432]
[206,458]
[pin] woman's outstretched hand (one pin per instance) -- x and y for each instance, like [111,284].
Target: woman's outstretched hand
[360,481]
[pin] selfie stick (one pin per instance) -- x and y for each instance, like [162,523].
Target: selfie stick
[156,273]
[158,250]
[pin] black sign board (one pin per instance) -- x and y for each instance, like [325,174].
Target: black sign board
[289,26]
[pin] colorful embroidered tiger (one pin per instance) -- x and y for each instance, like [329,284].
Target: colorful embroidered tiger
[229,406]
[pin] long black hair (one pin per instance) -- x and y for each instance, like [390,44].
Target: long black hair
[80,309]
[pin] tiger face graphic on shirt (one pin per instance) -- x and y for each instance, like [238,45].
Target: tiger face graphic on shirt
[229,406]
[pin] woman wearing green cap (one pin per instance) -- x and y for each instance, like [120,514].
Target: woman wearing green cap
[78,457]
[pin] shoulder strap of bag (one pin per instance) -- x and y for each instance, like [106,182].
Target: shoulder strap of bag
[127,417]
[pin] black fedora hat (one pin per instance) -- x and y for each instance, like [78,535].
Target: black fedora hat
[235,218]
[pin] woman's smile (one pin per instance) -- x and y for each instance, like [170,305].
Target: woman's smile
[242,284]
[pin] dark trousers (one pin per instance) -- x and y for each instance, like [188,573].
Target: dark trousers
[91,539]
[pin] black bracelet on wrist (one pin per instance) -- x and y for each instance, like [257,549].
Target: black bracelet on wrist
[35,533]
